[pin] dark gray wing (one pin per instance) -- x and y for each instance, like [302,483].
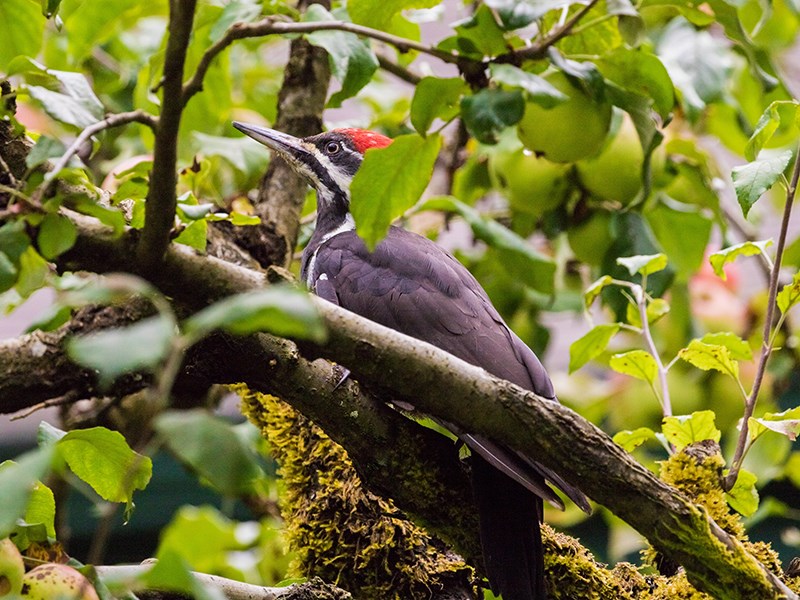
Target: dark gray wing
[412,285]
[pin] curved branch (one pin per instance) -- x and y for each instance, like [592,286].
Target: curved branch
[271,25]
[114,120]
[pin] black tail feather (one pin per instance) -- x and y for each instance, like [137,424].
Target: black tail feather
[510,534]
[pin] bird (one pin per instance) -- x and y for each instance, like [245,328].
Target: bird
[411,284]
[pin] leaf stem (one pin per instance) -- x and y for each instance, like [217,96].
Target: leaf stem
[768,340]
[666,403]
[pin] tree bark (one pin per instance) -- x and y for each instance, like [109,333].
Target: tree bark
[446,387]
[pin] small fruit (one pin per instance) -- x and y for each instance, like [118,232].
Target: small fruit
[53,580]
[591,239]
[569,131]
[12,569]
[532,185]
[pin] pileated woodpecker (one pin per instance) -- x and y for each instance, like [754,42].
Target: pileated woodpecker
[412,285]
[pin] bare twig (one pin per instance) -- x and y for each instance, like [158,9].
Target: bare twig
[115,120]
[6,169]
[767,342]
[161,197]
[539,49]
[270,26]
[398,71]
[666,403]
[68,398]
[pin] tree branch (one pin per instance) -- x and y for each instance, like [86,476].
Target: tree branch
[114,120]
[161,197]
[446,387]
[769,319]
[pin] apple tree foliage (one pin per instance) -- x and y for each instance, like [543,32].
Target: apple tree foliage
[625,168]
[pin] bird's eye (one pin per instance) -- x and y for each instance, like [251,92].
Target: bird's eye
[332,147]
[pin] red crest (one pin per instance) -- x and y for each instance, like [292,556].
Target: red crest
[363,139]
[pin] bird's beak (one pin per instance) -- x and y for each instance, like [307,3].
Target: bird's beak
[286,145]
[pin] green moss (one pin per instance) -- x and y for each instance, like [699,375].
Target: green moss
[572,572]
[340,531]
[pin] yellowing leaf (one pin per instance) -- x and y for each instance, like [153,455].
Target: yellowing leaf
[688,429]
[630,440]
[722,257]
[709,356]
[790,294]
[636,363]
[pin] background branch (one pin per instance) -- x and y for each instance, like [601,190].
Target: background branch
[161,197]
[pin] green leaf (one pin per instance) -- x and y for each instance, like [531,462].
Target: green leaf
[172,573]
[710,357]
[50,7]
[644,264]
[64,108]
[743,497]
[591,345]
[594,290]
[280,310]
[23,27]
[636,363]
[243,156]
[434,98]
[683,231]
[103,459]
[352,60]
[537,88]
[630,440]
[112,352]
[18,479]
[389,182]
[194,235]
[698,63]
[56,235]
[516,14]
[750,181]
[13,240]
[33,272]
[520,260]
[44,149]
[789,295]
[210,447]
[236,11]
[92,24]
[688,429]
[38,523]
[112,216]
[8,273]
[642,73]
[737,347]
[786,423]
[780,112]
[722,257]
[378,13]
[491,110]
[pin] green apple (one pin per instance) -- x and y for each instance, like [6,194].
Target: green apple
[533,185]
[569,131]
[53,580]
[616,173]
[591,239]
[12,569]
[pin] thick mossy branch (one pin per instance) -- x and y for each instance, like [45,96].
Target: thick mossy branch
[446,387]
[342,532]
